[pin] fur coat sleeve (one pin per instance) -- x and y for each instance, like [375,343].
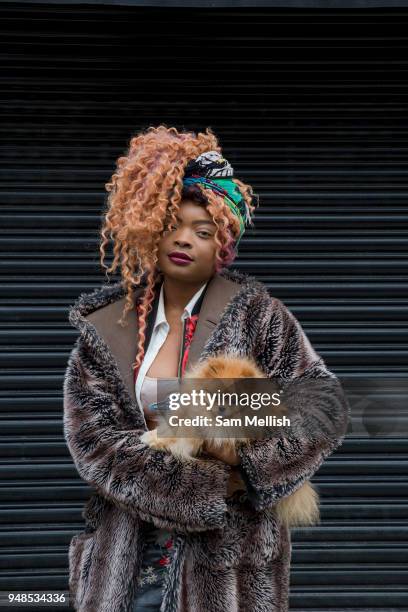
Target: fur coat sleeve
[275,467]
[108,454]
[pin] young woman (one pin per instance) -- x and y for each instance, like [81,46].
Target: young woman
[164,533]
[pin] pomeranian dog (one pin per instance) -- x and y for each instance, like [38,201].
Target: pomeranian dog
[301,508]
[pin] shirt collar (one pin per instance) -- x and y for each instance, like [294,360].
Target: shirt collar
[161,315]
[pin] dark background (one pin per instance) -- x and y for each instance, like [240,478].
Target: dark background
[310,107]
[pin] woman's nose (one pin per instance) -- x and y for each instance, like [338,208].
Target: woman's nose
[182,241]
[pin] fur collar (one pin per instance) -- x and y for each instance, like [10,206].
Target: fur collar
[108,293]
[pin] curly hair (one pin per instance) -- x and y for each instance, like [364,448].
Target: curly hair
[145,193]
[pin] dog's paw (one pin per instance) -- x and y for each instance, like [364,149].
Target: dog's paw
[150,438]
[183,448]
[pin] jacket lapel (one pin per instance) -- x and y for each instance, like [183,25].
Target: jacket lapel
[218,294]
[122,341]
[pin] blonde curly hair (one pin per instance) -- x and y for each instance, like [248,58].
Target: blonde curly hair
[145,193]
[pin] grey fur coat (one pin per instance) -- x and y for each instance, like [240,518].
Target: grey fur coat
[230,554]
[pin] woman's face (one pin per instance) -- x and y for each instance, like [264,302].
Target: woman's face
[193,235]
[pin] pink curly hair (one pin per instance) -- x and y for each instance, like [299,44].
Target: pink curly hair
[145,193]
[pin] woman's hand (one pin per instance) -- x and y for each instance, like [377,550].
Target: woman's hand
[235,482]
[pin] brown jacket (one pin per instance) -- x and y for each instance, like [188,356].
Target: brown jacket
[229,553]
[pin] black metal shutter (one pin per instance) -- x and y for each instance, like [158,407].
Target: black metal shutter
[311,108]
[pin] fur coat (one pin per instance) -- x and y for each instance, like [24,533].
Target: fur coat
[230,553]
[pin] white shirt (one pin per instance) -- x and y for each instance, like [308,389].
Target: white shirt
[160,331]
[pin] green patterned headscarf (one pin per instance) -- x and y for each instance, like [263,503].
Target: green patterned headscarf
[214,172]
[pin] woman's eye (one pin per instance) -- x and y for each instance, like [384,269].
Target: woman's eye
[173,226]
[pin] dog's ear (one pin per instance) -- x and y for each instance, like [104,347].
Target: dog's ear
[226,365]
[249,371]
[215,366]
[214,369]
